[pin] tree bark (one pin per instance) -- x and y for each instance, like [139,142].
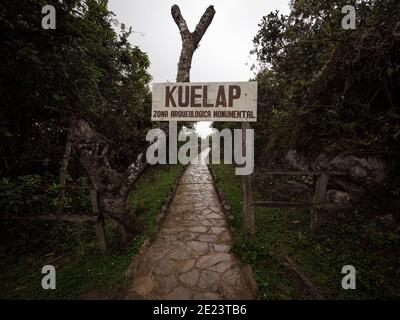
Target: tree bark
[112,186]
[190,40]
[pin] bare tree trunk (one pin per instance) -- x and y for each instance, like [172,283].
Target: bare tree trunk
[190,40]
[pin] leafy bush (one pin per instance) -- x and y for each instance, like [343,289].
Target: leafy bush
[34,194]
[323,87]
[83,69]
[38,195]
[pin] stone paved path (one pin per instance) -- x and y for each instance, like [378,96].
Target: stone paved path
[190,258]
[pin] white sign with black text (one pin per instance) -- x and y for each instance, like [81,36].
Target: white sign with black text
[205,101]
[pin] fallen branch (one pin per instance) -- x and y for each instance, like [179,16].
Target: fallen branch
[292,266]
[286,261]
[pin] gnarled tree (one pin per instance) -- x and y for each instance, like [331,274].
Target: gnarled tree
[112,186]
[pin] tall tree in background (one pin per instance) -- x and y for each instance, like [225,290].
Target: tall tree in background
[329,87]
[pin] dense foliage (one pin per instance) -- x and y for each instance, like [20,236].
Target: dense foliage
[83,68]
[326,88]
[26,246]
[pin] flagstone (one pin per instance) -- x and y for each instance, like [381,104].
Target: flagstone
[199,246]
[144,285]
[190,257]
[216,262]
[190,278]
[199,229]
[218,230]
[179,253]
[221,247]
[208,237]
[179,293]
[184,265]
[209,280]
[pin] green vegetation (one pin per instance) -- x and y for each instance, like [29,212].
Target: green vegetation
[320,257]
[34,193]
[324,88]
[82,69]
[73,248]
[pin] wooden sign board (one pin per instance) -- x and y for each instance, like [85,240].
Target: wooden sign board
[205,101]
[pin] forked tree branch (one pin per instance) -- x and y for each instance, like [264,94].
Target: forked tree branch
[190,41]
[93,153]
[180,22]
[203,25]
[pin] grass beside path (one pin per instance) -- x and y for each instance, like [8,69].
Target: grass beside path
[80,266]
[320,257]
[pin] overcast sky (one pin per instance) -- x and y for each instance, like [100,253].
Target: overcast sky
[223,54]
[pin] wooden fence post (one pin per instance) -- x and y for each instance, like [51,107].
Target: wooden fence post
[248,211]
[319,197]
[99,223]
